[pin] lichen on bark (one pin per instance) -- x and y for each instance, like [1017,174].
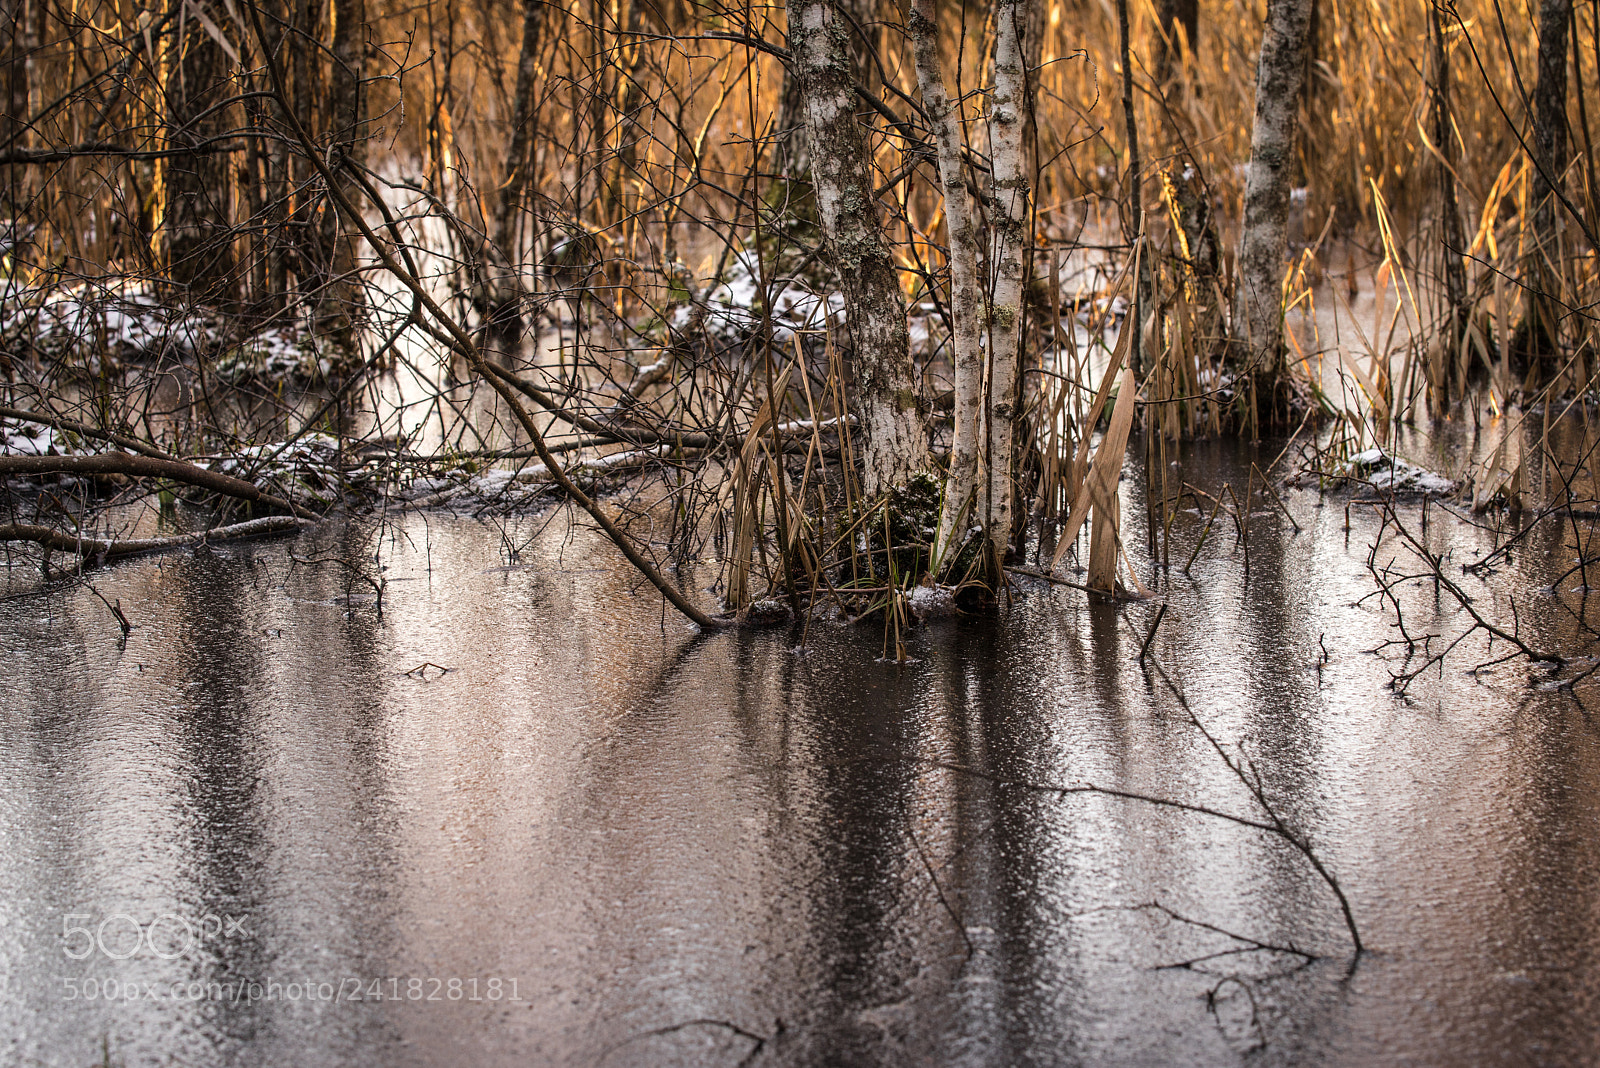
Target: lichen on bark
[1263,244]
[895,445]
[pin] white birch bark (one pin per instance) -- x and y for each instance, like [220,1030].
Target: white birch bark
[1009,220]
[1263,244]
[889,409]
[966,294]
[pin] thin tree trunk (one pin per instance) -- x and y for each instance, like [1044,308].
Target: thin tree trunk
[1550,105]
[199,186]
[1009,219]
[890,411]
[14,73]
[1263,245]
[14,61]
[864,30]
[632,98]
[281,245]
[1539,336]
[1451,239]
[339,303]
[310,258]
[1132,208]
[966,293]
[794,156]
[1180,28]
[502,284]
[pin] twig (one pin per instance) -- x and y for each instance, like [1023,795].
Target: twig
[1267,486]
[421,670]
[1150,637]
[955,916]
[759,1042]
[1059,581]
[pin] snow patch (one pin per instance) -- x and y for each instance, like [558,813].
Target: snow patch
[931,601]
[307,470]
[733,308]
[28,439]
[1390,474]
[105,322]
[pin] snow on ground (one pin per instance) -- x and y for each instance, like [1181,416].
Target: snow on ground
[509,487]
[930,602]
[306,471]
[28,439]
[1389,474]
[102,323]
[733,308]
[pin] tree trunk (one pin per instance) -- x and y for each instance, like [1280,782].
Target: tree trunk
[632,98]
[14,72]
[896,445]
[14,59]
[1132,207]
[1451,239]
[339,303]
[502,296]
[966,293]
[199,186]
[862,25]
[1180,29]
[1263,245]
[1539,336]
[794,156]
[1010,218]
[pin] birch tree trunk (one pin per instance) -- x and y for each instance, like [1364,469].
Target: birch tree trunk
[1009,220]
[888,407]
[1263,245]
[966,293]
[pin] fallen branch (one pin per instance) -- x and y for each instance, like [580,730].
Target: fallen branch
[1253,783]
[758,1042]
[1249,944]
[1274,824]
[120,463]
[1144,649]
[635,433]
[1435,565]
[103,548]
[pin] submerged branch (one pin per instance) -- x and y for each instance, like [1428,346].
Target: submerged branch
[85,545]
[1274,824]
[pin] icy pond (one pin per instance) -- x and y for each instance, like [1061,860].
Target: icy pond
[269,828]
